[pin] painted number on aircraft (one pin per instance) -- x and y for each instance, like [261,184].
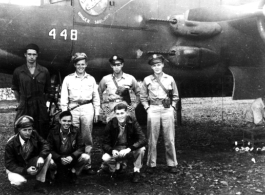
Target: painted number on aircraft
[73,34]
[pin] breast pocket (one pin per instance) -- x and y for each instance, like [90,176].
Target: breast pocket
[40,85]
[87,90]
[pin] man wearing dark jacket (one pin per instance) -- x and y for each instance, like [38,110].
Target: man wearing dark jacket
[67,147]
[123,137]
[31,85]
[27,154]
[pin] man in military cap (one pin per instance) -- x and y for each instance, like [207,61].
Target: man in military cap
[79,94]
[27,155]
[67,147]
[159,95]
[118,86]
[31,85]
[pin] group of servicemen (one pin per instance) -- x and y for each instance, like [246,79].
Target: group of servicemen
[38,151]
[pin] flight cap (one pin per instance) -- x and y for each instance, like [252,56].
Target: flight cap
[32,46]
[79,56]
[155,59]
[24,121]
[116,59]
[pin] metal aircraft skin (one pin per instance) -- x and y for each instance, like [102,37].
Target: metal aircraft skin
[201,45]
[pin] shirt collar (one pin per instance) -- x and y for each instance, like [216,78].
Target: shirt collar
[163,76]
[22,141]
[67,133]
[122,76]
[85,76]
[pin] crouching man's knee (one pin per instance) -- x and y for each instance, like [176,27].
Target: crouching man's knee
[16,180]
[141,150]
[84,158]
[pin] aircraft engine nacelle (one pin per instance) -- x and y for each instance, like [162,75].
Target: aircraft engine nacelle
[192,57]
[192,28]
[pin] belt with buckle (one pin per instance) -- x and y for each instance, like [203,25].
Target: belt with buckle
[156,102]
[116,100]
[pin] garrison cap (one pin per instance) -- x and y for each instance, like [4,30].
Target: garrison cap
[79,56]
[32,46]
[24,121]
[156,58]
[116,59]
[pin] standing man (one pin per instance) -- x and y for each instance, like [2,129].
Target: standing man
[27,155]
[159,96]
[255,113]
[123,136]
[118,86]
[31,84]
[67,147]
[80,95]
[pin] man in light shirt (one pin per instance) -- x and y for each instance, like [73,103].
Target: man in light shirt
[80,95]
[159,95]
[118,86]
[255,113]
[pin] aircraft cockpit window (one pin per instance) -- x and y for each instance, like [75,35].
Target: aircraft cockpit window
[22,2]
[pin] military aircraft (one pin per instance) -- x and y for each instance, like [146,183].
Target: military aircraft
[202,46]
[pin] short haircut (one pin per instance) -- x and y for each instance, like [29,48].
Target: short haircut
[120,106]
[65,113]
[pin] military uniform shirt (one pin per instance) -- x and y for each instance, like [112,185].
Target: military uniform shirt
[126,81]
[152,91]
[77,88]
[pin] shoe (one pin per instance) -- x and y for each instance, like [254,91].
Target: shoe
[40,188]
[136,177]
[150,170]
[122,169]
[90,172]
[113,175]
[172,169]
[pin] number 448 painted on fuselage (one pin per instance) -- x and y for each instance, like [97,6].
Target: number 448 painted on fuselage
[63,33]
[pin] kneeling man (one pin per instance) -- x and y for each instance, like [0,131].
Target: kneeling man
[27,154]
[123,137]
[67,147]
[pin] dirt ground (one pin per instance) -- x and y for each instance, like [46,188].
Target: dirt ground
[208,163]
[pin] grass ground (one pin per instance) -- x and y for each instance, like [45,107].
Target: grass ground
[207,162]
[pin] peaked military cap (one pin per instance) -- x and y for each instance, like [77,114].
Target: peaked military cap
[156,58]
[79,56]
[116,59]
[24,121]
[32,46]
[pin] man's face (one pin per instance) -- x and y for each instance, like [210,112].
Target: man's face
[157,68]
[121,115]
[26,132]
[31,56]
[117,67]
[80,66]
[65,122]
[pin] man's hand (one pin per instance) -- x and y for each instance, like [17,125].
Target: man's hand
[40,162]
[124,152]
[32,170]
[95,118]
[67,160]
[115,153]
[84,157]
